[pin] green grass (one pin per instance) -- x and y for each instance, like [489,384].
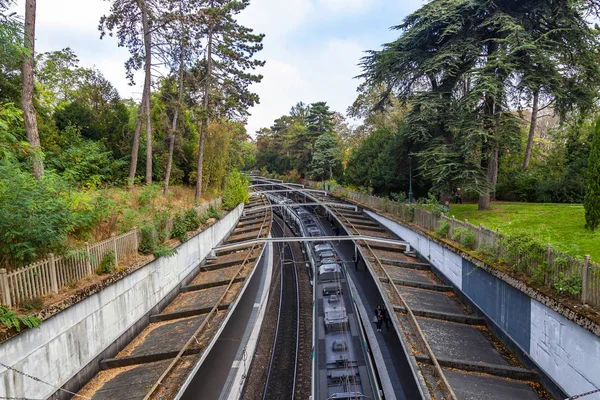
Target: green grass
[561,225]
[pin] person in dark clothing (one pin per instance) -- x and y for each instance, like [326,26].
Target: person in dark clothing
[379,316]
[386,318]
[457,196]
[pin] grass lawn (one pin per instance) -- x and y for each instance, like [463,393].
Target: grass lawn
[562,225]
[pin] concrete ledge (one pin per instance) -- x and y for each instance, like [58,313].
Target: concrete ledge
[419,285]
[451,317]
[200,286]
[497,370]
[225,264]
[185,314]
[119,362]
[404,264]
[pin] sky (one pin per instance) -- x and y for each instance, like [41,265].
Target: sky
[312,47]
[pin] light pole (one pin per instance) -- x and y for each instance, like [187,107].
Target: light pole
[410,192]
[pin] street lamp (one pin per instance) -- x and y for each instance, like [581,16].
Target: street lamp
[410,192]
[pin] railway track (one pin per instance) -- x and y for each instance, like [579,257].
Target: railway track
[454,352]
[281,376]
[156,363]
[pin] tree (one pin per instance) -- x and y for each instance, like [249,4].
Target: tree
[29,113]
[592,193]
[326,156]
[319,121]
[132,20]
[460,65]
[11,53]
[226,69]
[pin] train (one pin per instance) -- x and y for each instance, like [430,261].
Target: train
[341,367]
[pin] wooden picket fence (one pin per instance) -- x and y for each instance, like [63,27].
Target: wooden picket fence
[55,272]
[548,263]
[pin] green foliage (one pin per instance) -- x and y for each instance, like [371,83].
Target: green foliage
[161,220]
[85,162]
[148,193]
[592,194]
[568,284]
[399,197]
[10,319]
[236,190]
[432,205]
[522,250]
[464,236]
[192,221]
[213,212]
[164,250]
[443,229]
[180,227]
[37,217]
[325,156]
[32,304]
[148,240]
[107,264]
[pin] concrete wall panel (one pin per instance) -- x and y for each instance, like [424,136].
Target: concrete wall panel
[68,341]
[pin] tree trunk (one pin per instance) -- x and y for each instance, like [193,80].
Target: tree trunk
[29,114]
[493,172]
[174,125]
[147,80]
[532,126]
[205,119]
[136,139]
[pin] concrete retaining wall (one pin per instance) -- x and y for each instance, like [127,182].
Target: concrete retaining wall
[566,352]
[67,342]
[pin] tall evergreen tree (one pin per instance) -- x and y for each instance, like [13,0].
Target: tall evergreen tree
[592,193]
[227,69]
[460,64]
[132,20]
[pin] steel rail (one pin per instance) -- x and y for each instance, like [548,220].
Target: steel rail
[281,291]
[204,323]
[412,317]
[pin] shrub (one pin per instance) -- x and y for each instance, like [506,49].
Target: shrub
[33,304]
[148,240]
[192,221]
[213,212]
[161,219]
[464,236]
[399,197]
[236,190]
[148,193]
[179,230]
[163,250]
[570,285]
[108,264]
[443,229]
[10,319]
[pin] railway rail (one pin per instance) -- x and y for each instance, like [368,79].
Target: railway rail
[281,376]
[156,363]
[454,352]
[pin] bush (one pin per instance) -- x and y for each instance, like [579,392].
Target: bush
[236,190]
[179,230]
[163,250]
[108,264]
[570,285]
[148,193]
[464,236]
[148,241]
[213,212]
[36,217]
[161,220]
[443,229]
[192,221]
[10,319]
[33,304]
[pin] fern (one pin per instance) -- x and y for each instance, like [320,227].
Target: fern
[10,319]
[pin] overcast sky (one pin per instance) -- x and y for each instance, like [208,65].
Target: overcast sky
[312,47]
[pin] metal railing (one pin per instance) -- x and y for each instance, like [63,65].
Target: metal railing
[545,265]
[56,272]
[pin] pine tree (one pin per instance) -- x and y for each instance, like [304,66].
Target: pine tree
[592,195]
[226,71]
[132,20]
